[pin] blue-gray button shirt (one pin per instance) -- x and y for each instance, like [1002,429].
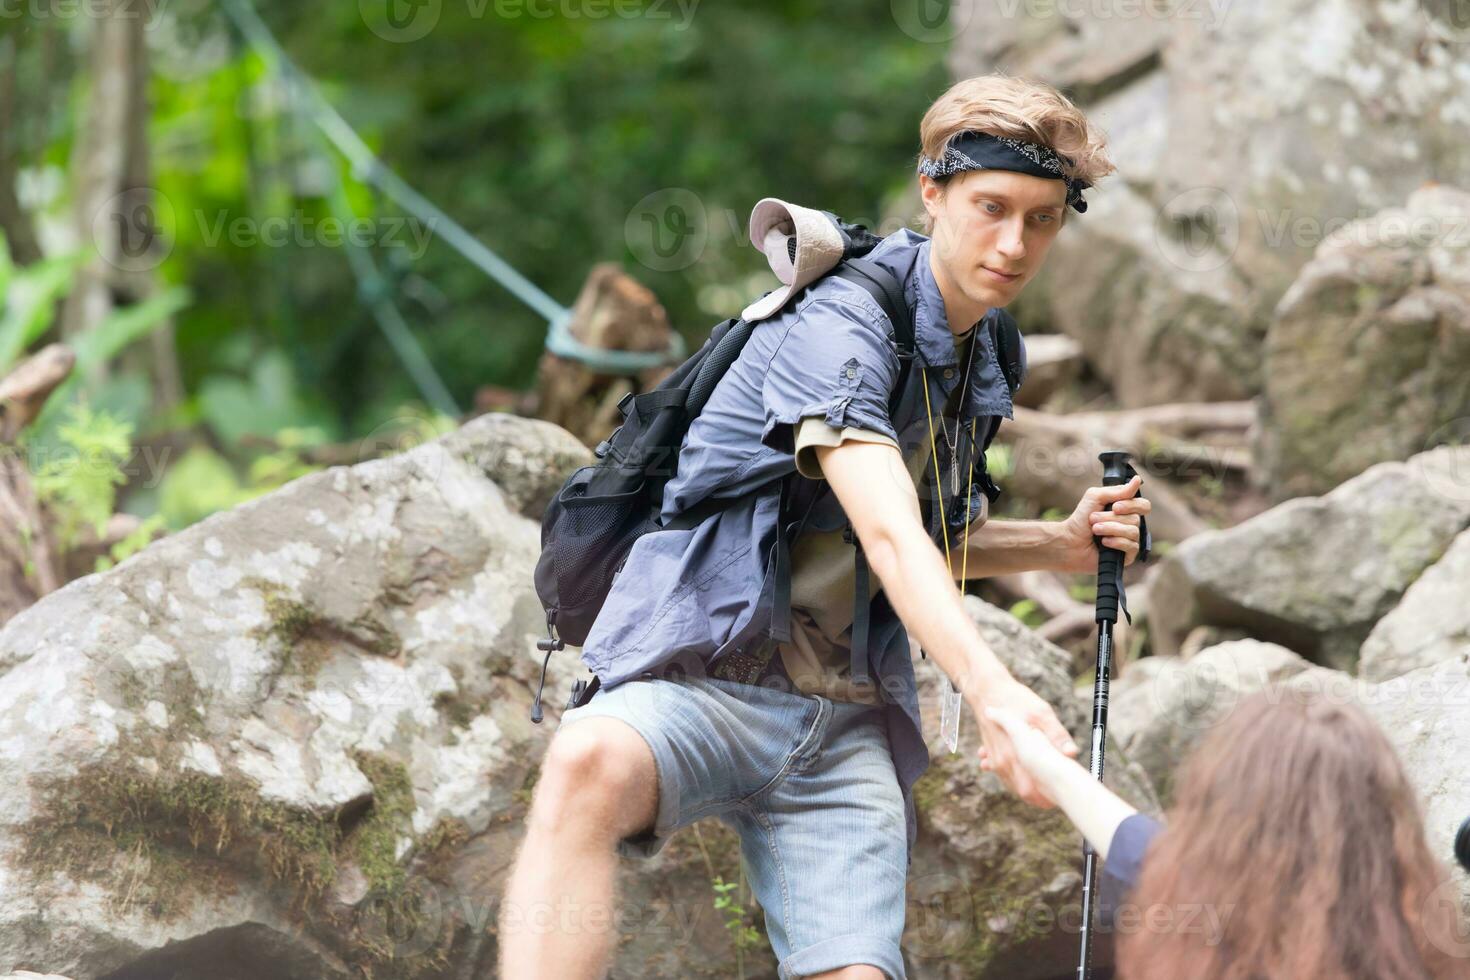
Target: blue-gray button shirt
[695,595]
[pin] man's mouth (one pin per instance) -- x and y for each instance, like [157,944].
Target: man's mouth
[1000,276]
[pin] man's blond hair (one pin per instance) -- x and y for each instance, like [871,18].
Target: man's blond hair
[1021,108]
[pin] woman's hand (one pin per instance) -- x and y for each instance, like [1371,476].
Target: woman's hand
[1031,751]
[1093,808]
[999,754]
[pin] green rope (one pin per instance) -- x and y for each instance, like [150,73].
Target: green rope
[368,168]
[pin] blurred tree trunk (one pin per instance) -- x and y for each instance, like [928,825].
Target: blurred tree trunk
[116,208]
[138,284]
[14,222]
[99,160]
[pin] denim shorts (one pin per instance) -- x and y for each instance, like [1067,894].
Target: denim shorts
[809,786]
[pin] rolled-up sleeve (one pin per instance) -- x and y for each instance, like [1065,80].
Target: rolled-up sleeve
[814,432]
[835,363]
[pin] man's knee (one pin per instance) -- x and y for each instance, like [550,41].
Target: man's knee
[860,971]
[598,774]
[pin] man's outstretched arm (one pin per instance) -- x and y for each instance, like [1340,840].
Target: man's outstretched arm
[878,496]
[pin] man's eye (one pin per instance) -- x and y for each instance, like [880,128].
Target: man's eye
[991,207]
[1047,217]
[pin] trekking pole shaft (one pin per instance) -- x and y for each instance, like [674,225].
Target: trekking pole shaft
[1100,690]
[1116,471]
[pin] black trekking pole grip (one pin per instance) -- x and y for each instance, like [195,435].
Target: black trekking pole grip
[1117,470]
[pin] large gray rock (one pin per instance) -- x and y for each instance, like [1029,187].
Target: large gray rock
[1053,364]
[292,740]
[1243,132]
[1429,625]
[1316,573]
[1088,56]
[1368,356]
[994,879]
[1163,706]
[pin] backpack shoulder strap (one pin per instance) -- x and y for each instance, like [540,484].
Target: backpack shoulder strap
[887,291]
[1010,350]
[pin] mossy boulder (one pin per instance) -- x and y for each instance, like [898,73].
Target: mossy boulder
[1315,574]
[269,739]
[1368,356]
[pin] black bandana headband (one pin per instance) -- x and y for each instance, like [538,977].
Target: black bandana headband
[982,151]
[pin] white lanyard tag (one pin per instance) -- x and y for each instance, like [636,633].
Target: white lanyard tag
[951,704]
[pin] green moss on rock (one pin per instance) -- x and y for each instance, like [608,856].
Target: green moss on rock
[159,840]
[374,841]
[1007,891]
[172,828]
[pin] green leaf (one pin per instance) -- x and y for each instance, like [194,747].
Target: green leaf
[30,297]
[269,403]
[80,487]
[998,461]
[125,325]
[1026,611]
[138,539]
[199,484]
[105,340]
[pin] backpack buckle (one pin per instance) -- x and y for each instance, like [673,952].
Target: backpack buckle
[552,641]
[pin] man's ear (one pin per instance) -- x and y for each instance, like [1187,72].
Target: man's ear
[931,192]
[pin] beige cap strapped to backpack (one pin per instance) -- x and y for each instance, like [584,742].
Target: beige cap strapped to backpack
[817,250]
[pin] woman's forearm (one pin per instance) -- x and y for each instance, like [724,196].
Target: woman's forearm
[1005,548]
[1093,809]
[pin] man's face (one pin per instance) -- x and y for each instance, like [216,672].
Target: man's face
[988,223]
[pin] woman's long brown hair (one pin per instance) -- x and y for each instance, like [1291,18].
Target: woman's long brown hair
[1296,828]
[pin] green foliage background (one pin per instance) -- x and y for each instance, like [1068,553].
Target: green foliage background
[540,134]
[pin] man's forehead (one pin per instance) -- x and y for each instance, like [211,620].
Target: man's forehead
[1035,192]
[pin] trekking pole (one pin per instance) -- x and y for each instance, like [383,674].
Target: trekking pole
[1117,470]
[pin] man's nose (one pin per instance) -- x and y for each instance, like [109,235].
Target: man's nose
[1012,242]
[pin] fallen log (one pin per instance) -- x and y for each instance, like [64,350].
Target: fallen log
[23,392]
[612,312]
[1054,457]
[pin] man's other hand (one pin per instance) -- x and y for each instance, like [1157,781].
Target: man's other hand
[998,753]
[1118,528]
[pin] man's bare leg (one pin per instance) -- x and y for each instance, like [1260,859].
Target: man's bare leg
[598,784]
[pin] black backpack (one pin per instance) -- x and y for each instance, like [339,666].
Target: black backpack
[590,525]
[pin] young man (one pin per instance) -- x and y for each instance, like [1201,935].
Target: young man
[813,769]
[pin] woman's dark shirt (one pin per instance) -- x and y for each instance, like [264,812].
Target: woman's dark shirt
[1124,864]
